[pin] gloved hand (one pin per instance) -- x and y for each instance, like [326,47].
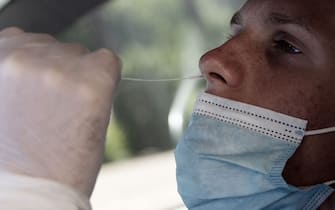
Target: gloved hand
[55,103]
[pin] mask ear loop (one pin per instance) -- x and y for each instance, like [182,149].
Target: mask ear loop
[320,131]
[162,80]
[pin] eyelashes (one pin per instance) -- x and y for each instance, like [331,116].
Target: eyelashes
[286,47]
[280,45]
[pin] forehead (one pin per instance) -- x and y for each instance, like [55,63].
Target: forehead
[312,9]
[318,14]
[303,7]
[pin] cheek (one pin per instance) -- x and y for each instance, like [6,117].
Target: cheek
[297,101]
[322,112]
[299,98]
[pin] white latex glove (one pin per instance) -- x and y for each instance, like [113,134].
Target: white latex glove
[55,103]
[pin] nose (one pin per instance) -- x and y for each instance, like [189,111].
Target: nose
[222,68]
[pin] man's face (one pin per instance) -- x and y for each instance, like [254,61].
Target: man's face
[281,57]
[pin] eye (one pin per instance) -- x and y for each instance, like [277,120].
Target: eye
[286,47]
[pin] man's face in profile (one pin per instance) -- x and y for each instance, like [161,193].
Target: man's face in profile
[281,56]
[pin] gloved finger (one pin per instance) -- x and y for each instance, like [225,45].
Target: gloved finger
[103,61]
[101,69]
[63,50]
[9,45]
[18,41]
[10,31]
[29,59]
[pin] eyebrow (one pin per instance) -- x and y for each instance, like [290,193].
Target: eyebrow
[275,19]
[282,19]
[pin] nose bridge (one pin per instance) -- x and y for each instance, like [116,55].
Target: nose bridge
[232,55]
[241,50]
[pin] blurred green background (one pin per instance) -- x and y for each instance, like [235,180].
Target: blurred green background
[155,39]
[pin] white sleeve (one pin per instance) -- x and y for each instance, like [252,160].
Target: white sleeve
[26,193]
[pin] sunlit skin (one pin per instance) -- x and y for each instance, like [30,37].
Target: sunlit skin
[281,56]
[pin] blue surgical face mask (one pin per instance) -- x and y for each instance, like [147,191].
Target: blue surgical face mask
[232,157]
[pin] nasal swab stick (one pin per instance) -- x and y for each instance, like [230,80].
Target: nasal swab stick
[162,80]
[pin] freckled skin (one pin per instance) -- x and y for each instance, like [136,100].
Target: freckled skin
[298,85]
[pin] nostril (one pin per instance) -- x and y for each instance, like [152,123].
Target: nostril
[217,76]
